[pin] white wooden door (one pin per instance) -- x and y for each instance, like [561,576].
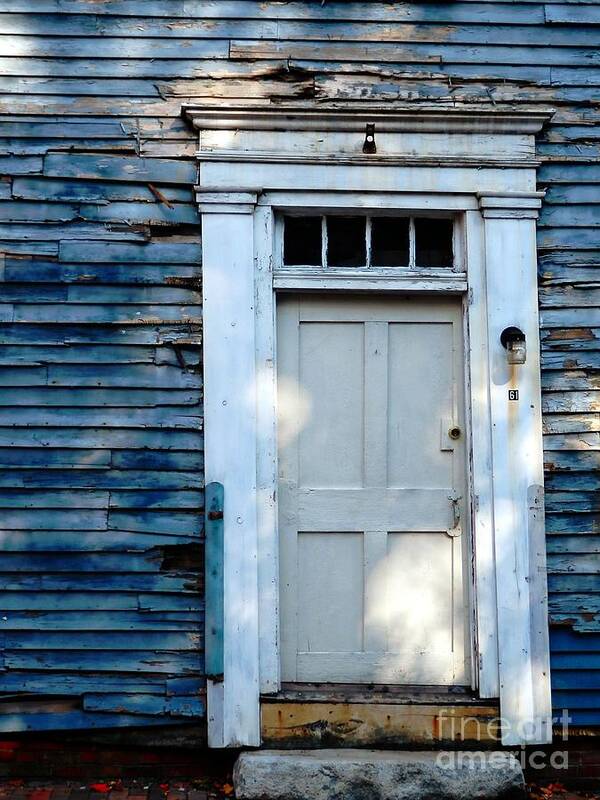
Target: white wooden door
[372,520]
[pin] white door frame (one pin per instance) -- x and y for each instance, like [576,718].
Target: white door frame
[493,194]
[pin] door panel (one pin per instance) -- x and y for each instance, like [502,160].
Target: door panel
[330,449]
[371,556]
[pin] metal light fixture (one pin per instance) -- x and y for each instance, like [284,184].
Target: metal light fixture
[513,341]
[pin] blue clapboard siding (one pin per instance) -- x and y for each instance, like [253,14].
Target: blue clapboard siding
[101,489]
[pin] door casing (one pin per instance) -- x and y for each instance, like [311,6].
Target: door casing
[494,198]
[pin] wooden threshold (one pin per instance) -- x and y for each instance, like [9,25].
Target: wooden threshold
[350,715]
[375,693]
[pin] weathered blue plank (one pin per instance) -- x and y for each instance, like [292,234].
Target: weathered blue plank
[571,215]
[572,583]
[54,272]
[122,578]
[20,165]
[102,438]
[145,704]
[35,458]
[155,213]
[143,295]
[168,522]
[570,601]
[155,661]
[574,15]
[111,47]
[46,128]
[337,10]
[62,332]
[101,640]
[131,253]
[73,354]
[50,519]
[433,52]
[42,683]
[135,376]
[573,544]
[68,601]
[37,212]
[576,680]
[565,641]
[569,173]
[572,523]
[127,314]
[73,720]
[157,499]
[169,602]
[76,548]
[587,481]
[43,146]
[107,479]
[585,718]
[582,698]
[29,234]
[12,247]
[72,417]
[125,87]
[74,190]
[583,661]
[572,461]
[111,619]
[23,376]
[144,459]
[56,498]
[183,686]
[153,170]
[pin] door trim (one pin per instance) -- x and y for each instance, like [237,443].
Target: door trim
[498,206]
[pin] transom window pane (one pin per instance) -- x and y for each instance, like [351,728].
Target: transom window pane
[390,242]
[302,241]
[344,241]
[433,239]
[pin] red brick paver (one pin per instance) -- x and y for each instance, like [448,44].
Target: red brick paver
[115,790]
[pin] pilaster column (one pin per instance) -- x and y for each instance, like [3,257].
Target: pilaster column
[230,452]
[517,457]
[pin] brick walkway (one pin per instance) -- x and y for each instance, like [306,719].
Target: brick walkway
[117,790]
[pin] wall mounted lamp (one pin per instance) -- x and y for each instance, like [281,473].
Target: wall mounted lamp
[513,341]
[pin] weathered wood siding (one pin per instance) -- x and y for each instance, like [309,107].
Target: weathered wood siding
[100,430]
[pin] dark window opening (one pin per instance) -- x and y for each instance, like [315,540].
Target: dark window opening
[433,242]
[302,241]
[346,241]
[390,242]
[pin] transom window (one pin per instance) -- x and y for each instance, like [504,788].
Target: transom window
[353,241]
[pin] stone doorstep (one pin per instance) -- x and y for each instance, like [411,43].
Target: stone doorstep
[377,775]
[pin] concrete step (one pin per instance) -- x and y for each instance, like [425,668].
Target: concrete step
[377,775]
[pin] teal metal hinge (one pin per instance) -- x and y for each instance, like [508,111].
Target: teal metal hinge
[213,578]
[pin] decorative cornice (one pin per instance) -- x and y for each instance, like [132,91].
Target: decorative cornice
[440,120]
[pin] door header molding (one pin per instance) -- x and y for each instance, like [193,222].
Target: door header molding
[372,137]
